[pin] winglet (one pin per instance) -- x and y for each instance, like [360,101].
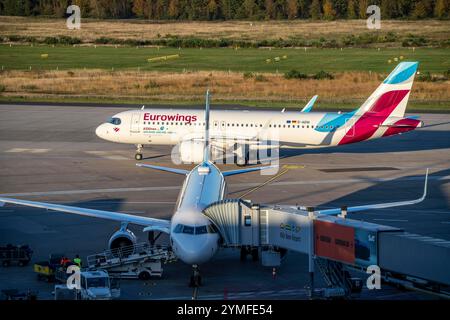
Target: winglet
[308,107]
[425,187]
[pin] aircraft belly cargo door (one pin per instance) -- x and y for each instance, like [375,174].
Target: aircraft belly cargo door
[135,123]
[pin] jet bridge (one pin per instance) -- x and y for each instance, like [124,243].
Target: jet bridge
[335,245]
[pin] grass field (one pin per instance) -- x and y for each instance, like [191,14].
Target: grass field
[21,57]
[119,74]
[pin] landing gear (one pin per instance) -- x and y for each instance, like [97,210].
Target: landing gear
[246,250]
[196,279]
[138,155]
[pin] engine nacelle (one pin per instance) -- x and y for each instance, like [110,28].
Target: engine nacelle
[122,238]
[192,151]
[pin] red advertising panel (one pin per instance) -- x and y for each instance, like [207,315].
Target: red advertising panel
[334,241]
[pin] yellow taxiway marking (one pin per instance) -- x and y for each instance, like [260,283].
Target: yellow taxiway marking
[286,168]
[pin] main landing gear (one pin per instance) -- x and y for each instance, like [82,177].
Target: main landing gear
[248,250]
[138,155]
[196,279]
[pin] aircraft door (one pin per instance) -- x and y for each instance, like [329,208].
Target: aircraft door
[135,122]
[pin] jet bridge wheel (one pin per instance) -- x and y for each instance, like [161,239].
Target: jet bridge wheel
[144,275]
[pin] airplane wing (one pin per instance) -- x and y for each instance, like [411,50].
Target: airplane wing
[172,170]
[109,215]
[308,107]
[336,211]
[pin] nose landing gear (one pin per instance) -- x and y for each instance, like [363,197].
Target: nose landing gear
[196,279]
[138,155]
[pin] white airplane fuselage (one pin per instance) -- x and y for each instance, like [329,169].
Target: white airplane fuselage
[193,237]
[297,129]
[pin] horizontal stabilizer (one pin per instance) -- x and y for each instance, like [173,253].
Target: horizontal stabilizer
[167,169]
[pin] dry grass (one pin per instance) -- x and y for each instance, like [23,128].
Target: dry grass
[258,30]
[191,86]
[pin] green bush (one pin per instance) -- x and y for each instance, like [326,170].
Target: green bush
[62,40]
[294,74]
[323,75]
[151,85]
[414,41]
[447,74]
[260,77]
[29,87]
[248,75]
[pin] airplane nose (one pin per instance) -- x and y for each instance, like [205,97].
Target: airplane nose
[196,250]
[101,131]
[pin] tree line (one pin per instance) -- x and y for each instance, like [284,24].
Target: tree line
[230,9]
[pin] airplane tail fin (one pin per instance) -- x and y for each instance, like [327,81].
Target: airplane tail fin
[391,97]
[206,151]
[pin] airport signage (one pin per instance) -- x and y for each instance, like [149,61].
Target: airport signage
[289,230]
[334,241]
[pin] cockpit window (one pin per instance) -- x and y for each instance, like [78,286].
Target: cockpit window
[201,230]
[115,121]
[181,228]
[178,228]
[188,230]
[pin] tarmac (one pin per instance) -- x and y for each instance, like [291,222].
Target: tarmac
[50,153]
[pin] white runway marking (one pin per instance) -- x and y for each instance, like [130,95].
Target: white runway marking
[237,185]
[18,150]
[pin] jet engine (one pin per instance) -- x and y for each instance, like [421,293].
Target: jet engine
[192,151]
[122,238]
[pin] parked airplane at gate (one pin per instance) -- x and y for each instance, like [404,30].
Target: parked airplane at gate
[236,131]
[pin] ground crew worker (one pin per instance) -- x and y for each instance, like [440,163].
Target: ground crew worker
[77,261]
[65,261]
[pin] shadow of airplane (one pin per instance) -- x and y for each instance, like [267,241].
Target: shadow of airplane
[420,140]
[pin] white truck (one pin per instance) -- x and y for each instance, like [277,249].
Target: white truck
[94,285]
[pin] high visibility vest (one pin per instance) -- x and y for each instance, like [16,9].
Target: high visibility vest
[77,261]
